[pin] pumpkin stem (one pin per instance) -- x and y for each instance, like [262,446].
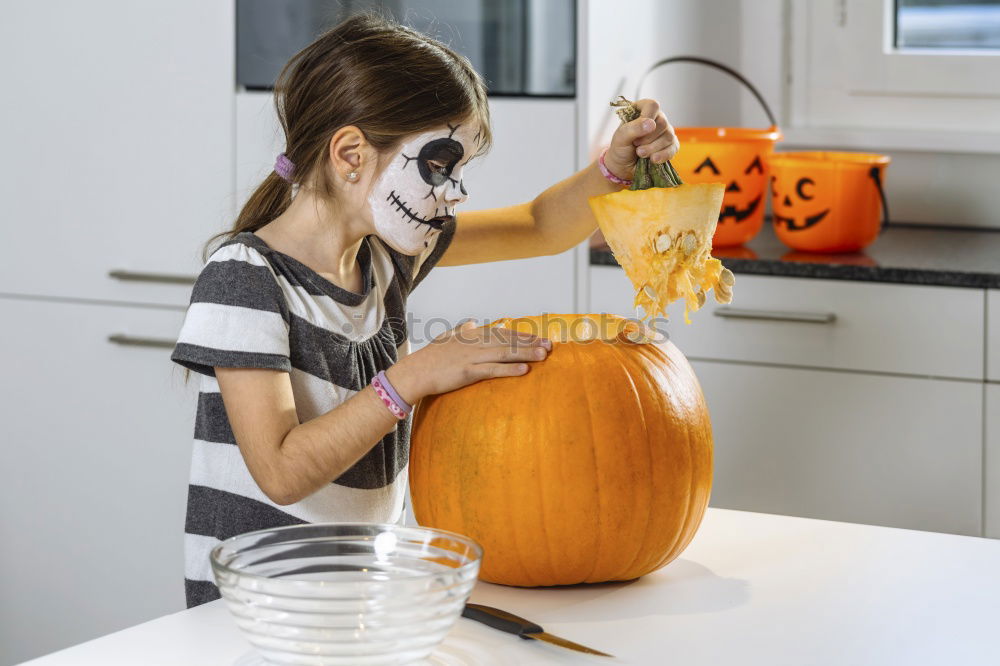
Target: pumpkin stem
[646,173]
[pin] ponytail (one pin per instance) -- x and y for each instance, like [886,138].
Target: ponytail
[271,198]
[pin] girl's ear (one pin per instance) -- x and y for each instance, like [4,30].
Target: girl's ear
[349,152]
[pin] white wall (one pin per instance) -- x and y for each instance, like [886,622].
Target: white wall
[691,94]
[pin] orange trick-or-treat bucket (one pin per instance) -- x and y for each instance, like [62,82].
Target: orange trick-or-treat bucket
[828,201]
[735,156]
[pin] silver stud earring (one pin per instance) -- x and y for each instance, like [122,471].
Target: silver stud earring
[353,176]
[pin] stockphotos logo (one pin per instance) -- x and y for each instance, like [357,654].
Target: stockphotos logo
[562,328]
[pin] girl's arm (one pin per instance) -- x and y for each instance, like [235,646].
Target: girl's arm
[560,217]
[286,459]
[290,460]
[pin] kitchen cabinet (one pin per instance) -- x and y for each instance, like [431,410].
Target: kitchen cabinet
[991,460]
[119,138]
[894,451]
[848,418]
[993,335]
[97,446]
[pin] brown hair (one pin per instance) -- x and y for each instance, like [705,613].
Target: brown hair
[386,79]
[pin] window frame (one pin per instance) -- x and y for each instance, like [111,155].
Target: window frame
[876,66]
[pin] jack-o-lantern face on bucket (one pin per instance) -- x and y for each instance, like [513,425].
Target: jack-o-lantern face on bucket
[737,158]
[797,211]
[737,208]
[826,201]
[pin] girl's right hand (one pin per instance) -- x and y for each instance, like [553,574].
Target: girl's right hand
[463,356]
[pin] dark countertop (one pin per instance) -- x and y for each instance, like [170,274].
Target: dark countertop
[904,253]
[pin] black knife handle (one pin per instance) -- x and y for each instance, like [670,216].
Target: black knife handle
[502,620]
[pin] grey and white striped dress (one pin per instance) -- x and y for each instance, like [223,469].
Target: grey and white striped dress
[255,307]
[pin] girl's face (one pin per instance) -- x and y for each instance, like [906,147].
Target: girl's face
[418,190]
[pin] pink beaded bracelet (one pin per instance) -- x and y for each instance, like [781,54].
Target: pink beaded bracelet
[387,394]
[607,172]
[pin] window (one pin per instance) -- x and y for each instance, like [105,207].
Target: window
[947,24]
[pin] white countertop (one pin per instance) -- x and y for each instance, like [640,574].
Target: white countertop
[750,589]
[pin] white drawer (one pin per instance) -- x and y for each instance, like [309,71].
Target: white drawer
[928,331]
[993,335]
[847,446]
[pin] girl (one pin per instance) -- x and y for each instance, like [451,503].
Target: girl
[297,321]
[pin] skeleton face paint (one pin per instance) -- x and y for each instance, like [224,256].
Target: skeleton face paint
[419,189]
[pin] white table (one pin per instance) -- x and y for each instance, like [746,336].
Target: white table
[751,589]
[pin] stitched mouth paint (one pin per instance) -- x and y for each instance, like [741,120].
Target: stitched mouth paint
[407,213]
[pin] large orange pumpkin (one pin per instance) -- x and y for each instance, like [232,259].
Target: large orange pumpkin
[595,466]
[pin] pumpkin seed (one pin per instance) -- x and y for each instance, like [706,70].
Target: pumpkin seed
[663,243]
[701,298]
[650,292]
[727,278]
[723,294]
[690,244]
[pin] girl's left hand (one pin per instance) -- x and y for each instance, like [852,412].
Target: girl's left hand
[650,135]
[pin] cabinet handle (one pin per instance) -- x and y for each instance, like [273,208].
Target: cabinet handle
[776,315]
[130,341]
[133,276]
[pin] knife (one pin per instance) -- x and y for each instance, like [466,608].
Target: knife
[512,624]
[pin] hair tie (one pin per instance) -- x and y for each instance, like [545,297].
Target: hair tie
[284,167]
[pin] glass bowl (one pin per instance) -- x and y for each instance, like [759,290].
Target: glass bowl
[346,593]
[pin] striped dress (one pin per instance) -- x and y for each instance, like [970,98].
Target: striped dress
[255,307]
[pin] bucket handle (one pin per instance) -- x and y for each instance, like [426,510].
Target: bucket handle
[876,175]
[717,65]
